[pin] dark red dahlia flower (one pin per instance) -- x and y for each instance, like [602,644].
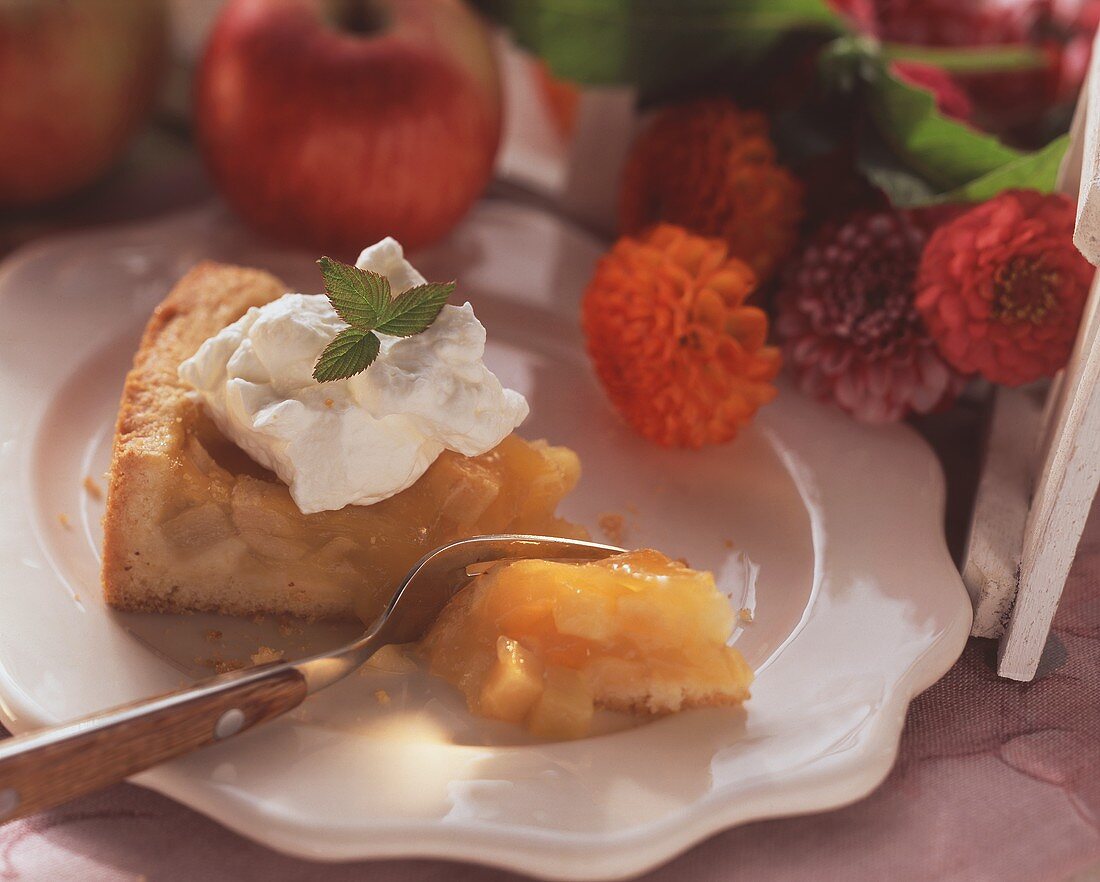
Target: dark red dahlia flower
[850,331]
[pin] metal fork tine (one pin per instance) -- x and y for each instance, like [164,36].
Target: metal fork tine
[434,580]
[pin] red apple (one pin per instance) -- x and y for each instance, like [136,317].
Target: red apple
[75,80]
[334,124]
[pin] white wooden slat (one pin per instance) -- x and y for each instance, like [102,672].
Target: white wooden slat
[1071,167]
[1068,444]
[1070,176]
[1065,489]
[992,558]
[1055,403]
[1075,183]
[1085,149]
[1067,383]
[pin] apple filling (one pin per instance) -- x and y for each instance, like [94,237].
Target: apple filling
[231,516]
[544,643]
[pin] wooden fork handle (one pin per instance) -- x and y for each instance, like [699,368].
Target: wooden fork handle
[43,769]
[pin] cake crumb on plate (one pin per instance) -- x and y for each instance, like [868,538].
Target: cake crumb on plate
[220,665]
[266,654]
[288,626]
[613,526]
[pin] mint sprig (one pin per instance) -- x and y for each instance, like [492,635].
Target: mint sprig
[362,299]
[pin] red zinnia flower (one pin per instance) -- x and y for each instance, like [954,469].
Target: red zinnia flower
[1002,287]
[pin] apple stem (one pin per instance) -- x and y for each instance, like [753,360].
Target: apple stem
[357,16]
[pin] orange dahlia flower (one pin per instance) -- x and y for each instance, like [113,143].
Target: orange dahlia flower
[682,358]
[710,167]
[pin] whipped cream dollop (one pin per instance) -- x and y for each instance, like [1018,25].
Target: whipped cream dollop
[360,440]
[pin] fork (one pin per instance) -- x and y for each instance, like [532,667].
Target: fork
[47,767]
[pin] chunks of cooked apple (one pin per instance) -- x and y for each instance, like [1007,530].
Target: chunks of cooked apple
[565,707]
[544,643]
[513,684]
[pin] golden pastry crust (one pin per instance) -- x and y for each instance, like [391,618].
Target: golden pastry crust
[152,415]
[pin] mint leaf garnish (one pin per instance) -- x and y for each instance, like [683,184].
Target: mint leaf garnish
[411,312]
[362,299]
[350,352]
[358,296]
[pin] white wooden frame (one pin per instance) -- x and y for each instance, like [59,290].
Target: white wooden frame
[1042,463]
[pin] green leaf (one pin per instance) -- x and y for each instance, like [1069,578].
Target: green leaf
[653,44]
[903,188]
[969,59]
[350,352]
[359,296]
[934,158]
[947,152]
[1032,171]
[412,311]
[362,299]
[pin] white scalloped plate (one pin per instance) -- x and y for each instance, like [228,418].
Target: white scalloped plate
[858,605]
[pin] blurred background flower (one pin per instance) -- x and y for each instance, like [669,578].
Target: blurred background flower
[712,168]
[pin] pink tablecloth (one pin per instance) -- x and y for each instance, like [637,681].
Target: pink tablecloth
[996,780]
